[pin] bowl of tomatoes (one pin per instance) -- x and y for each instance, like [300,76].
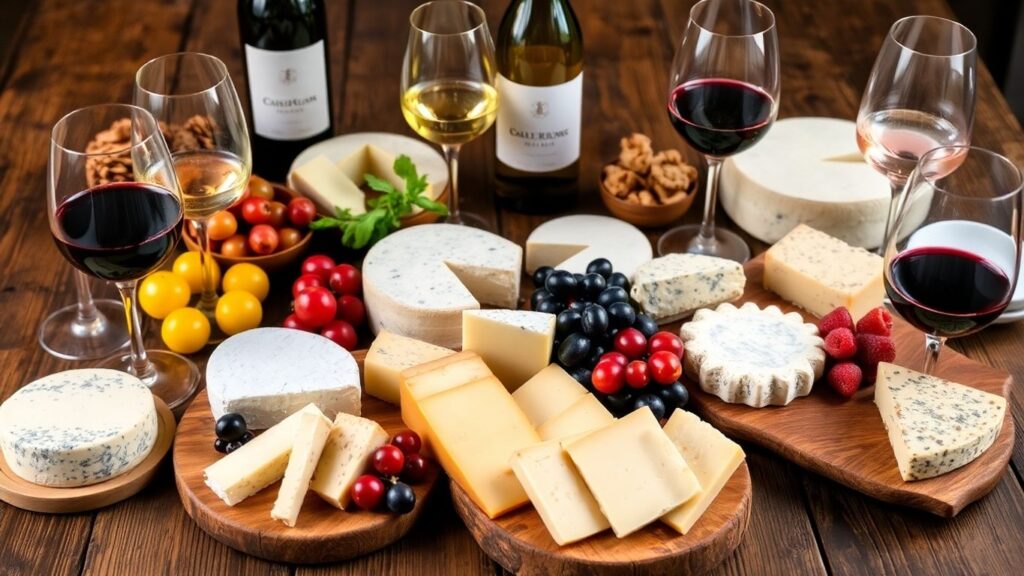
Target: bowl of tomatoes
[268,227]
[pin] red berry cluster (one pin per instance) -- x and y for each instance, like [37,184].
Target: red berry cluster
[646,367]
[854,351]
[326,300]
[392,468]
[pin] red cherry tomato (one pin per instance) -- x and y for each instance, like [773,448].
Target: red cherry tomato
[289,237]
[631,342]
[235,247]
[315,307]
[665,367]
[416,467]
[408,442]
[617,357]
[608,377]
[351,309]
[637,375]
[318,264]
[368,491]
[341,333]
[292,321]
[263,239]
[256,211]
[301,211]
[666,341]
[305,282]
[278,214]
[388,460]
[345,279]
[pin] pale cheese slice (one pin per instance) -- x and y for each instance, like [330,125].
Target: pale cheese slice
[549,393]
[350,445]
[388,356]
[584,415]
[515,344]
[328,187]
[311,434]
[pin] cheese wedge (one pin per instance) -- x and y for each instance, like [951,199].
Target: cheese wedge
[350,445]
[311,433]
[425,380]
[515,344]
[550,392]
[388,356]
[584,415]
[328,187]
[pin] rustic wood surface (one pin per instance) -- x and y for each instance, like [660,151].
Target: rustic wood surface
[62,54]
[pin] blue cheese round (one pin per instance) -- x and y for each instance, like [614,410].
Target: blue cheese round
[78,427]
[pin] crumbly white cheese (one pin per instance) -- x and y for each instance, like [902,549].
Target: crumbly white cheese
[674,286]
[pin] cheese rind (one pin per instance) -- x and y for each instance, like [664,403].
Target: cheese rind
[584,415]
[328,187]
[78,427]
[820,273]
[311,432]
[675,285]
[388,356]
[633,470]
[421,382]
[515,344]
[713,459]
[350,445]
[557,491]
[549,393]
[935,426]
[572,242]
[266,374]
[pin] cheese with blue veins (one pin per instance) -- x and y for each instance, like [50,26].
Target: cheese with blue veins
[674,286]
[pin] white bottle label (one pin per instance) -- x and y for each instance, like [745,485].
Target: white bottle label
[538,127]
[289,92]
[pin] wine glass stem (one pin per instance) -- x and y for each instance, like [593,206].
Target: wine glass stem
[208,297]
[451,157]
[86,307]
[896,187]
[707,225]
[139,365]
[932,347]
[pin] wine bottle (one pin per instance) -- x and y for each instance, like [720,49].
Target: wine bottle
[540,83]
[284,48]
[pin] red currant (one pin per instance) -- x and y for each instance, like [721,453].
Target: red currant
[388,460]
[416,467]
[631,342]
[408,442]
[637,375]
[368,491]
[608,376]
[665,367]
[665,341]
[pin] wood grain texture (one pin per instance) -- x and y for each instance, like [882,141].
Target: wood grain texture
[520,542]
[856,451]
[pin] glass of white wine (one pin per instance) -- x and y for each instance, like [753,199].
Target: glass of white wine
[448,75]
[192,96]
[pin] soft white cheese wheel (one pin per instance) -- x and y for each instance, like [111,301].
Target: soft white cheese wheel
[807,171]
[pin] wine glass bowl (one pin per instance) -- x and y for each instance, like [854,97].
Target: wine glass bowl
[952,260]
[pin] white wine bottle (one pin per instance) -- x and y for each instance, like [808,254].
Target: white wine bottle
[540,82]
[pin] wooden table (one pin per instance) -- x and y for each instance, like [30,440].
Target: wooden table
[71,53]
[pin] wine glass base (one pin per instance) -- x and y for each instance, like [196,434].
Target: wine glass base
[471,220]
[687,239]
[63,335]
[175,378]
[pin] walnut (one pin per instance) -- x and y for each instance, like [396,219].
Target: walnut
[109,157]
[636,153]
[646,198]
[203,128]
[621,181]
[671,177]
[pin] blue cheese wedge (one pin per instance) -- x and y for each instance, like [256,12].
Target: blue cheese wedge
[78,427]
[935,426]
[752,356]
[674,286]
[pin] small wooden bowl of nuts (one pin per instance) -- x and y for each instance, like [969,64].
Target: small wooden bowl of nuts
[647,189]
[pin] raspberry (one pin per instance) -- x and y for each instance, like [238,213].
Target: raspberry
[877,321]
[840,344]
[838,318]
[845,378]
[872,349]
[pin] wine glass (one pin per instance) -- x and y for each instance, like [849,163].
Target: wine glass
[448,95]
[192,95]
[83,330]
[723,98]
[920,96]
[120,231]
[952,259]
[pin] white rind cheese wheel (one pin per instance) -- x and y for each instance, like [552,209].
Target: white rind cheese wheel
[417,281]
[78,427]
[572,242]
[807,171]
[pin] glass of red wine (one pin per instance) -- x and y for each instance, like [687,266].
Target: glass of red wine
[120,231]
[724,95]
[953,256]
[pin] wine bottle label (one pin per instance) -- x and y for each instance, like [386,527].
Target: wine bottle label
[538,127]
[289,91]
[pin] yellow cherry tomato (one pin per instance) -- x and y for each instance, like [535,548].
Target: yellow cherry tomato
[247,278]
[186,330]
[238,311]
[163,292]
[187,266]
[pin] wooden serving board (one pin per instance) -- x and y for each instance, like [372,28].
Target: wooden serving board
[322,534]
[28,496]
[846,441]
[520,542]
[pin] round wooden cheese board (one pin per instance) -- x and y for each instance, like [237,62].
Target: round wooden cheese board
[520,542]
[323,533]
[28,496]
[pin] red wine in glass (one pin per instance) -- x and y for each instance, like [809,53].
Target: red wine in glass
[119,231]
[719,117]
[946,291]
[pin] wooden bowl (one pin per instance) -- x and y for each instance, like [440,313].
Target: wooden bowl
[646,216]
[270,262]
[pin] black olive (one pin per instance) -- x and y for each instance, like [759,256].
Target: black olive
[611,295]
[674,395]
[619,279]
[562,284]
[549,306]
[538,295]
[578,305]
[596,351]
[540,276]
[400,498]
[621,314]
[593,284]
[653,401]
[230,427]
[582,375]
[647,326]
[573,349]
[620,403]
[568,321]
[594,321]
[601,266]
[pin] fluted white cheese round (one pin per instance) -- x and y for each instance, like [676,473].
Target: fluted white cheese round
[266,374]
[78,427]
[807,171]
[572,242]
